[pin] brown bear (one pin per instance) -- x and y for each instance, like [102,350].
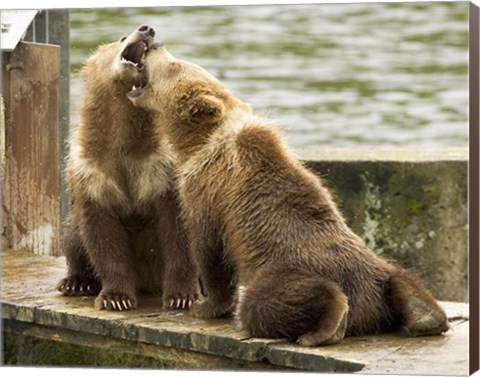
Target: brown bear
[124,234]
[258,219]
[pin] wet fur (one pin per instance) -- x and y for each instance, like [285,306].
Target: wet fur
[124,234]
[258,218]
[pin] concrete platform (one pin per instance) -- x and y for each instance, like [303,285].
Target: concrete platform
[41,327]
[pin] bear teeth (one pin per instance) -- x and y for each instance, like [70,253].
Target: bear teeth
[125,61]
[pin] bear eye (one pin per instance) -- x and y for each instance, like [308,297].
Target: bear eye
[123,38]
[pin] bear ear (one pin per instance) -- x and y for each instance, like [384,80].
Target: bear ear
[206,108]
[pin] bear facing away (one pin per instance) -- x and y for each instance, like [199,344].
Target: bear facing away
[123,235]
[257,218]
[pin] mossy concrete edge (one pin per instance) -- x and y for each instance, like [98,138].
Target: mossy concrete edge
[413,212]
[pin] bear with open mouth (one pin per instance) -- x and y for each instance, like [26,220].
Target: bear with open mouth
[259,220]
[123,235]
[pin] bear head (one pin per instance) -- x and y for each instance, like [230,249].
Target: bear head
[119,66]
[187,101]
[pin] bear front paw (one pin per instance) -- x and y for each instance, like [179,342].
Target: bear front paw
[209,308]
[115,301]
[76,286]
[180,293]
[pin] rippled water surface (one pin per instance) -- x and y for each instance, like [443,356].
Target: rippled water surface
[336,75]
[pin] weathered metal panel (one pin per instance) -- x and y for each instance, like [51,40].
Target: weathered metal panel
[33,172]
[52,26]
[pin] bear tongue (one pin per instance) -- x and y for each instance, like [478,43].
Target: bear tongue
[134,53]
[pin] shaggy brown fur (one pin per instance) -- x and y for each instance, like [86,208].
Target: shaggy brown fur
[124,233]
[258,218]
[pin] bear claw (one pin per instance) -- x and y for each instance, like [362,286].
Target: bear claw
[73,286]
[182,302]
[118,302]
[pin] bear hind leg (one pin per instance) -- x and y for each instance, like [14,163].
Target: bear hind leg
[419,312]
[331,329]
[305,307]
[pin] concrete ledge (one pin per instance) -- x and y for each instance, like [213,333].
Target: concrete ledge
[409,206]
[42,327]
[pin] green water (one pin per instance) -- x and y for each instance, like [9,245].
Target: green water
[331,75]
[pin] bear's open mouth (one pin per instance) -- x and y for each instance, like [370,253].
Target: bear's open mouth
[134,54]
[139,55]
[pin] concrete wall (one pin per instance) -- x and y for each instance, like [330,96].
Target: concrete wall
[410,207]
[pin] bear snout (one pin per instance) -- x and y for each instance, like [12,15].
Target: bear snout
[147,31]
